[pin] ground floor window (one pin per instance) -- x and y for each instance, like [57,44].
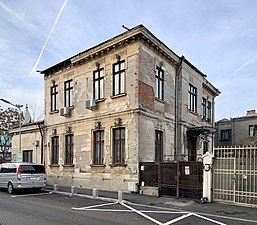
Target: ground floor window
[98,152]
[119,145]
[68,149]
[27,156]
[55,150]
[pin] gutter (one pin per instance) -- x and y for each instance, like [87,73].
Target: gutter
[179,68]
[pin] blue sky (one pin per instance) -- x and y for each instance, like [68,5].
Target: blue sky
[218,37]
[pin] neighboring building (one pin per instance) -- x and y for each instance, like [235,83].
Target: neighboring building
[238,131]
[31,142]
[5,146]
[128,100]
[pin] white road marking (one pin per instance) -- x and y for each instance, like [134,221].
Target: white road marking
[178,219]
[205,218]
[142,214]
[162,210]
[94,206]
[28,195]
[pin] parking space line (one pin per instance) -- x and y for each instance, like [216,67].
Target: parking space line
[94,206]
[211,220]
[28,195]
[178,219]
[142,214]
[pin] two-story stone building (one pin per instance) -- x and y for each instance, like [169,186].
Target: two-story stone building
[128,100]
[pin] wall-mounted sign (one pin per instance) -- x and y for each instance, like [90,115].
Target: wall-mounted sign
[187,170]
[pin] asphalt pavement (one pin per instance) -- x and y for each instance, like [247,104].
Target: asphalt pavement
[184,208]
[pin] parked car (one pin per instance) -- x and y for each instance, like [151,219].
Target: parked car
[22,176]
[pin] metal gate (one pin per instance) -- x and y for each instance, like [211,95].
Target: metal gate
[235,175]
[183,177]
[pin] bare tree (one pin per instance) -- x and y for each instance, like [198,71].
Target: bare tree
[8,118]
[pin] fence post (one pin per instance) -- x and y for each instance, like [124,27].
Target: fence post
[207,177]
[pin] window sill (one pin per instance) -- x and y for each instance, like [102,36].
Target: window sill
[120,95]
[97,165]
[54,165]
[54,112]
[192,112]
[159,100]
[118,164]
[68,165]
[100,100]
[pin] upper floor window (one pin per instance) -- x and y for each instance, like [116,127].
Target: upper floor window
[252,130]
[119,145]
[119,78]
[68,88]
[54,95]
[204,112]
[98,80]
[98,154]
[55,150]
[68,149]
[192,98]
[225,135]
[209,117]
[158,145]
[159,83]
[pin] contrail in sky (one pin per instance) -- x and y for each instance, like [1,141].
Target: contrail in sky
[49,35]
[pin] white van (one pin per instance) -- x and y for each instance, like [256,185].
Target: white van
[22,175]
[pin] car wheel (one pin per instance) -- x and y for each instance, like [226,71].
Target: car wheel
[10,188]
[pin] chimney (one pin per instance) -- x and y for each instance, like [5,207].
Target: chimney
[250,112]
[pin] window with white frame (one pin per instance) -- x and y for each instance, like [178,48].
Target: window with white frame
[119,78]
[192,98]
[54,95]
[98,80]
[159,83]
[68,89]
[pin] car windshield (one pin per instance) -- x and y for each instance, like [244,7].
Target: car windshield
[32,169]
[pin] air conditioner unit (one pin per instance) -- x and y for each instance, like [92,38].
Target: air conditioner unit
[90,103]
[65,111]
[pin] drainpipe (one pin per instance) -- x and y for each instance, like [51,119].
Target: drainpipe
[42,144]
[179,68]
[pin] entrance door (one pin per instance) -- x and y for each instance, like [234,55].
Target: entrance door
[191,148]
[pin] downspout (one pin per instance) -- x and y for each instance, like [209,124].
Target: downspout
[42,144]
[179,68]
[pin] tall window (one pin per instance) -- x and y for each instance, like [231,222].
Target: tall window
[204,112]
[119,145]
[55,150]
[69,149]
[98,156]
[98,83]
[209,111]
[159,83]
[68,93]
[27,156]
[119,78]
[192,98]
[158,145]
[225,135]
[54,94]
[252,130]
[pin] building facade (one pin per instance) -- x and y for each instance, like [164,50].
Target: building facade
[238,131]
[128,100]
